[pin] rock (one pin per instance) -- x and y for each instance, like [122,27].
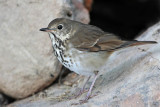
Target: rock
[80,13]
[71,79]
[130,78]
[27,62]
[3,100]
[55,93]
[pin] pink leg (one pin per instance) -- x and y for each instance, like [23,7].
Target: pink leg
[90,90]
[82,89]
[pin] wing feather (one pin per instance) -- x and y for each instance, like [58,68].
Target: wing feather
[93,39]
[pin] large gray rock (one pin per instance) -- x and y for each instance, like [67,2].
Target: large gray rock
[27,63]
[3,100]
[130,78]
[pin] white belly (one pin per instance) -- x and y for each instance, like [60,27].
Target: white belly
[85,63]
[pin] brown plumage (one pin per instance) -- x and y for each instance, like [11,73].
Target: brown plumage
[92,39]
[84,48]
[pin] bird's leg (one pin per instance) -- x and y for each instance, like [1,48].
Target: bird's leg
[90,89]
[82,90]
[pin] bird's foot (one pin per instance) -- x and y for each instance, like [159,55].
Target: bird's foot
[79,93]
[86,98]
[82,101]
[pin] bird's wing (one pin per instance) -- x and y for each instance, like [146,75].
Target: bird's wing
[93,39]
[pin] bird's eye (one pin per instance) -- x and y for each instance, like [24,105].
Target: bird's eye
[60,27]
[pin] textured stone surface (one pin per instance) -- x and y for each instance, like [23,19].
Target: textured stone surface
[27,63]
[130,78]
[3,100]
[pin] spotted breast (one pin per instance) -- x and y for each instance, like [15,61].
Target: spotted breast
[59,50]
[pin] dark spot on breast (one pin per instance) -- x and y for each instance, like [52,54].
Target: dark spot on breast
[56,54]
[63,44]
[61,56]
[55,46]
[64,63]
[54,35]
[59,48]
[71,61]
[60,42]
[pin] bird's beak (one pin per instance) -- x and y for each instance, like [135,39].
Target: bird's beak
[46,29]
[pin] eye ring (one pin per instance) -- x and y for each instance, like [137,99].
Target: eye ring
[60,26]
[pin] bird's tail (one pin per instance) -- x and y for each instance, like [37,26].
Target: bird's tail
[135,43]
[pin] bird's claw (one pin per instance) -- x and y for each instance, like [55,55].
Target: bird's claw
[79,93]
[86,99]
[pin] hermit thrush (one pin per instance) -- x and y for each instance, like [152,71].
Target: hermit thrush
[84,48]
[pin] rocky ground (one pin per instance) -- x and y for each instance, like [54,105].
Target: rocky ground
[130,78]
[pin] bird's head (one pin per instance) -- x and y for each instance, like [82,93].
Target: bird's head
[60,27]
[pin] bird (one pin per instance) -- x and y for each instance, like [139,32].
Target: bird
[84,48]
